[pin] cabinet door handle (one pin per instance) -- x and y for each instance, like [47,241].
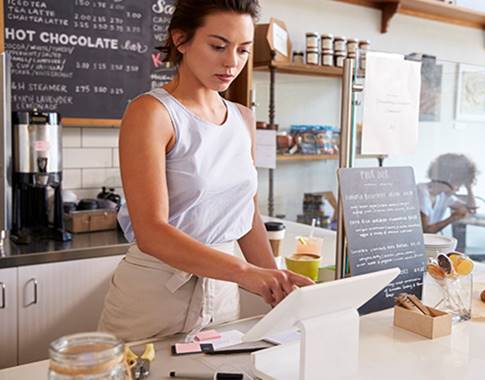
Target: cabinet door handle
[4,301]
[35,291]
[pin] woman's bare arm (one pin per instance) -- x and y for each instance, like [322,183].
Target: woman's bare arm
[433,228]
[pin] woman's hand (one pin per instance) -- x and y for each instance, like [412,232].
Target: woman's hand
[271,284]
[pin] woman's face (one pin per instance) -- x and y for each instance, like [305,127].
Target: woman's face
[219,49]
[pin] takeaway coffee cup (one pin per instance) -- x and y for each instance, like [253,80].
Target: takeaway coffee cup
[306,264]
[276,233]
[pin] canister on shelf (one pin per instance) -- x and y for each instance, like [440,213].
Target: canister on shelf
[326,41]
[298,57]
[352,46]
[327,58]
[312,56]
[339,59]
[363,49]
[339,44]
[312,40]
[284,142]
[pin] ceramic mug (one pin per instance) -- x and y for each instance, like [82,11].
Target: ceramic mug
[306,264]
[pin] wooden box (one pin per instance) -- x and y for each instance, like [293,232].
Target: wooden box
[269,38]
[425,325]
[90,220]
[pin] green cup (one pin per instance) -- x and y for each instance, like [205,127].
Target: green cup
[306,264]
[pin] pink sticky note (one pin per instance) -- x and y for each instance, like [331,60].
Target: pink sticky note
[187,348]
[207,335]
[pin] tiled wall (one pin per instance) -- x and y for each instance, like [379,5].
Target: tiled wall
[90,160]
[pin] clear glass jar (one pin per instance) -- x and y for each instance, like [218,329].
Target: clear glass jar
[312,56]
[93,356]
[326,41]
[312,40]
[339,59]
[456,297]
[298,57]
[340,44]
[363,49]
[327,58]
[352,46]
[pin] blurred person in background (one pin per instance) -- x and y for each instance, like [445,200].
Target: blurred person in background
[448,173]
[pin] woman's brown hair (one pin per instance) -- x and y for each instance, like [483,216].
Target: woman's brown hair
[189,15]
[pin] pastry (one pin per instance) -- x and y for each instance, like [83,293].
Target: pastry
[435,271]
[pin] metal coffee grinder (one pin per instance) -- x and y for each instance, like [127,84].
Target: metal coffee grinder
[37,171]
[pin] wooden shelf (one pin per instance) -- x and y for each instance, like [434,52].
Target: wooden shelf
[428,9]
[317,157]
[299,69]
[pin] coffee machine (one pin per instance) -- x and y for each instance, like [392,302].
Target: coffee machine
[37,175]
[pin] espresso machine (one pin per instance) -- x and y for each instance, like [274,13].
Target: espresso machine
[36,177]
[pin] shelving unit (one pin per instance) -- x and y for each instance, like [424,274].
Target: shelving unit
[274,67]
[299,69]
[427,9]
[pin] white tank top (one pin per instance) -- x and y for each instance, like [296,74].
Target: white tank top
[210,175]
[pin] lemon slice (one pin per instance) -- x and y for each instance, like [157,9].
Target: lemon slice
[464,267]
[302,240]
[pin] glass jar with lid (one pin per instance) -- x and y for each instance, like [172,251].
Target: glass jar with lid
[312,40]
[326,41]
[340,44]
[327,58]
[88,356]
[312,56]
[298,57]
[352,47]
[363,49]
[340,58]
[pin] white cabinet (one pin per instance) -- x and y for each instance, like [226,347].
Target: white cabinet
[58,299]
[54,299]
[8,317]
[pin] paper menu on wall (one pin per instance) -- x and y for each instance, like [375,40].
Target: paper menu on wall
[391,104]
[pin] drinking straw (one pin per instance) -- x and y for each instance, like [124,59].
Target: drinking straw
[314,221]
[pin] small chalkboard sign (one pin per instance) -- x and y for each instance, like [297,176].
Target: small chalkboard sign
[383,228]
[85,59]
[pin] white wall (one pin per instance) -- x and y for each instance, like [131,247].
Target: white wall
[90,160]
[306,100]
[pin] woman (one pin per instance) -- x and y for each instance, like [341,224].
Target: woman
[448,173]
[190,185]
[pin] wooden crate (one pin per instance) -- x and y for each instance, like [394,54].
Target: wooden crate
[90,220]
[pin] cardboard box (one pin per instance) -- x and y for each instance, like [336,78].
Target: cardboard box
[90,220]
[271,38]
[425,325]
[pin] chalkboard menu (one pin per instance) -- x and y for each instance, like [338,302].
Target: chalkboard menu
[383,228]
[85,58]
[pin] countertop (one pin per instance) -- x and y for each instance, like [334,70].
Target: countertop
[385,352]
[82,246]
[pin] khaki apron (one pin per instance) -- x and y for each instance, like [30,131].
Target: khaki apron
[148,298]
